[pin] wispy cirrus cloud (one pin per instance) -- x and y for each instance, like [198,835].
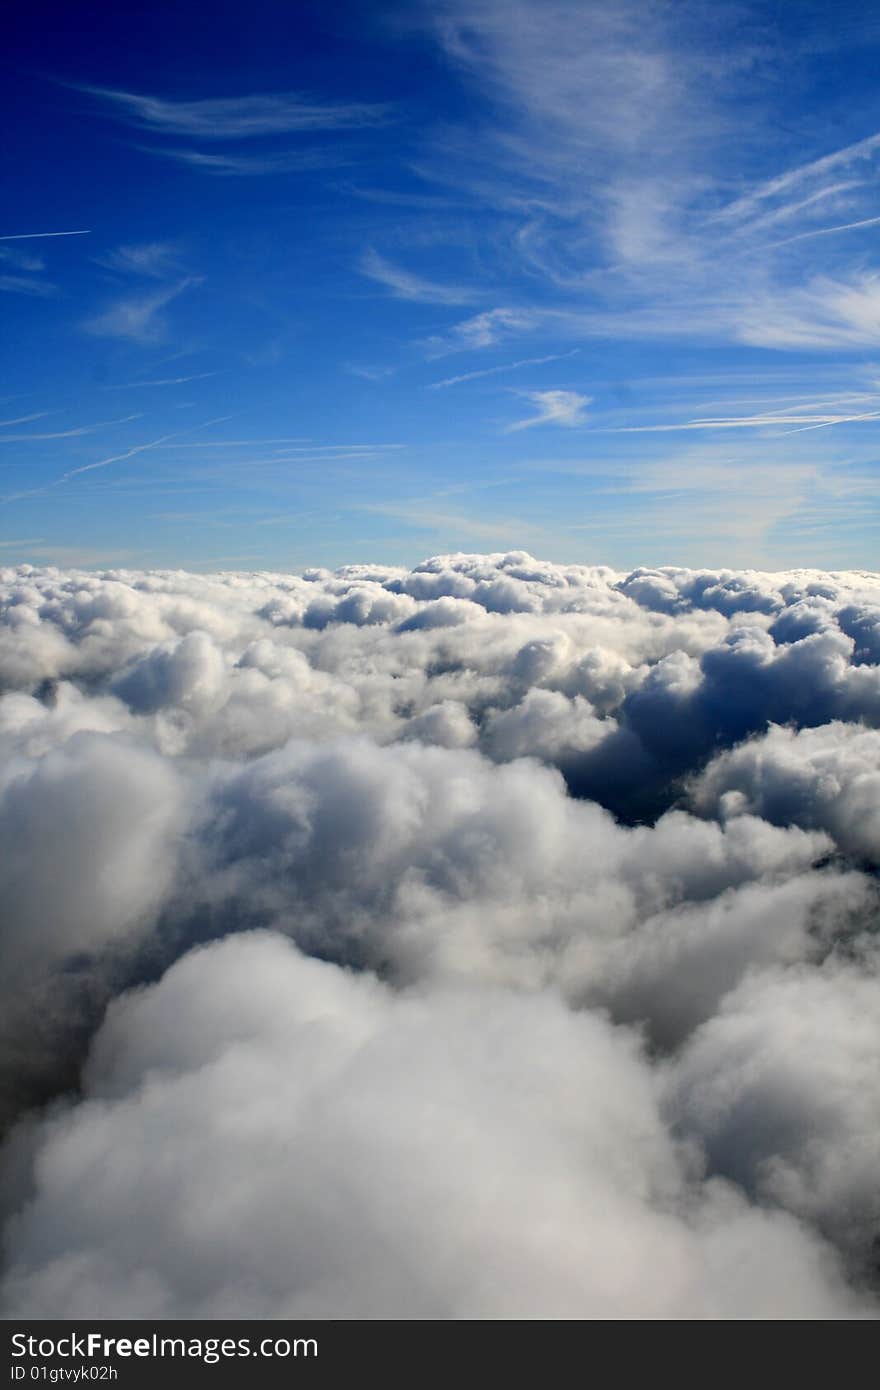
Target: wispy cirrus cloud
[553,408]
[403,284]
[826,231]
[243,165]
[138,317]
[838,312]
[427,515]
[369,373]
[20,284]
[23,276]
[572,65]
[606,155]
[826,312]
[21,259]
[23,273]
[795,180]
[483,330]
[238,118]
[155,259]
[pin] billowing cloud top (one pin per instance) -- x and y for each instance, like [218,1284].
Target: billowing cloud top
[494,938]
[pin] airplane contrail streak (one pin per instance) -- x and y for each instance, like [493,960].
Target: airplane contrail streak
[36,236]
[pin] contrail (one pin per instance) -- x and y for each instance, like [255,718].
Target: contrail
[35,236]
[138,449]
[117,458]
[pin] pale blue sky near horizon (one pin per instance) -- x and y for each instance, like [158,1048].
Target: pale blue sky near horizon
[308,285]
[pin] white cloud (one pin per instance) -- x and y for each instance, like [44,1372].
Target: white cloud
[486,329]
[405,285]
[809,173]
[609,156]
[239,118]
[553,408]
[827,778]
[21,259]
[588,861]
[826,312]
[808,1091]
[250,164]
[20,284]
[153,258]
[139,316]
[274,1122]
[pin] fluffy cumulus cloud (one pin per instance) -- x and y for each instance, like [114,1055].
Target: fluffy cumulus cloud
[827,777]
[496,938]
[271,1135]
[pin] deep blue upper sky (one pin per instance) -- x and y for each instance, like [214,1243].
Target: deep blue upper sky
[367,282]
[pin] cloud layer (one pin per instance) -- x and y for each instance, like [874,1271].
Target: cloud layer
[549,890]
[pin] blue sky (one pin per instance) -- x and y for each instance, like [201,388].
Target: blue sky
[364,283]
